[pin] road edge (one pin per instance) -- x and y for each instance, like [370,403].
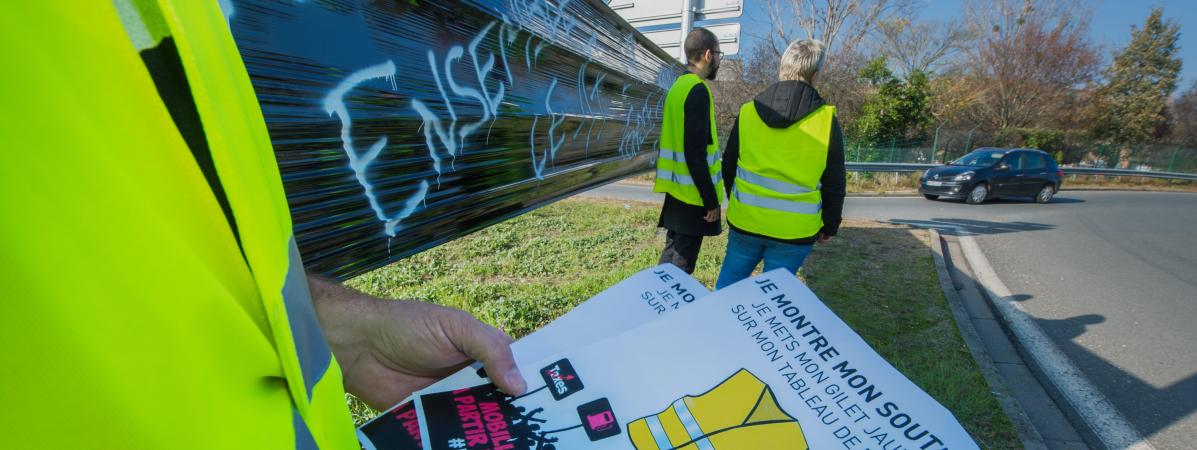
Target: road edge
[1027,433]
[1102,422]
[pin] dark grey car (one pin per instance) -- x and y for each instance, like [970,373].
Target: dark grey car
[987,173]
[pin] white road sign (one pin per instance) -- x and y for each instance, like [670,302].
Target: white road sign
[646,13]
[670,39]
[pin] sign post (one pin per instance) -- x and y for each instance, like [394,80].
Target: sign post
[687,23]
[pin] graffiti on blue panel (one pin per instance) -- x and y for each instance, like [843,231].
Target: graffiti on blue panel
[473,80]
[554,140]
[450,139]
[359,161]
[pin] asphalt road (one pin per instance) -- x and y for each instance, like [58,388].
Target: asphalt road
[1111,277]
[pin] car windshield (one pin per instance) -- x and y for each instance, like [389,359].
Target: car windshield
[980,158]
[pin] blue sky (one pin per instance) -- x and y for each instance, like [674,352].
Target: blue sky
[1110,27]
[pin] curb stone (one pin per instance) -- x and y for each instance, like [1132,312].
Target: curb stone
[1027,433]
[1096,418]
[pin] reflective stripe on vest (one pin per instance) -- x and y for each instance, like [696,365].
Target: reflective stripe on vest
[303,436]
[673,175]
[776,204]
[310,346]
[681,158]
[691,425]
[685,179]
[775,185]
[776,189]
[658,432]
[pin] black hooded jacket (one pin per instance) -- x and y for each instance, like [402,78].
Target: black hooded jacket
[781,105]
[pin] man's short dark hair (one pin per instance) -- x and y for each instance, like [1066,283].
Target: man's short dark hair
[698,41]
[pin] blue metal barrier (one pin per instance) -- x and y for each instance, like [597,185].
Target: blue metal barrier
[400,125]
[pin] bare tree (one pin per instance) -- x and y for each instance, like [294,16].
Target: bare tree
[838,23]
[1184,117]
[1033,60]
[841,24]
[920,46]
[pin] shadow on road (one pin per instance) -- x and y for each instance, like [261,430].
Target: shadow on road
[1152,409]
[1015,201]
[1030,200]
[972,227]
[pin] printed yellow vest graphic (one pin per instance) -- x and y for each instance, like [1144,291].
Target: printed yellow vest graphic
[739,413]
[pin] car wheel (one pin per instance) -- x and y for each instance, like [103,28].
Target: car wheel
[930,196]
[977,195]
[1045,194]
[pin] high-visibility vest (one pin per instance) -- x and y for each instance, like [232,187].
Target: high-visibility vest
[776,192]
[134,315]
[741,412]
[673,176]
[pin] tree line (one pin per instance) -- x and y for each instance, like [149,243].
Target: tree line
[1006,73]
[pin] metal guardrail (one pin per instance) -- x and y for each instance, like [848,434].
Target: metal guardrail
[918,167]
[402,125]
[1129,173]
[887,167]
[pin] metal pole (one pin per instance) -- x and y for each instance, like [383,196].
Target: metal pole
[687,23]
[934,142]
[969,142]
[892,141]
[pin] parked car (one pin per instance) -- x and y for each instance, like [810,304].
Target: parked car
[987,173]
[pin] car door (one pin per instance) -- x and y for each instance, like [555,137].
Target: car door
[1007,180]
[1035,173]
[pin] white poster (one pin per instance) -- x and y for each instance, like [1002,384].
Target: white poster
[641,298]
[760,364]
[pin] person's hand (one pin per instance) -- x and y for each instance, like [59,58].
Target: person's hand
[388,349]
[712,215]
[823,239]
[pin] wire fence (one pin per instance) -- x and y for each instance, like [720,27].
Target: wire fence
[947,145]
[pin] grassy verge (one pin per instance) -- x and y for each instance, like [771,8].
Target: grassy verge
[1127,183]
[880,278]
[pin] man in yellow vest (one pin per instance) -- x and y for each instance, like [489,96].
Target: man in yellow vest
[688,163]
[784,168]
[153,294]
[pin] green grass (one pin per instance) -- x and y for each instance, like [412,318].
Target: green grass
[880,278]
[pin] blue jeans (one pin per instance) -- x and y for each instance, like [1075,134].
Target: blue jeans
[744,252]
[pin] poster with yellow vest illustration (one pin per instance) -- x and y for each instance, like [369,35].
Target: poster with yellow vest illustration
[740,412]
[761,364]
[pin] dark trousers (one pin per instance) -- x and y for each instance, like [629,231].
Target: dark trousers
[681,250]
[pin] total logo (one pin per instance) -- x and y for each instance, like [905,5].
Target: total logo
[562,379]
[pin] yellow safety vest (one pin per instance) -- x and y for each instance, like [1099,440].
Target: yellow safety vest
[132,316]
[739,413]
[673,176]
[776,192]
